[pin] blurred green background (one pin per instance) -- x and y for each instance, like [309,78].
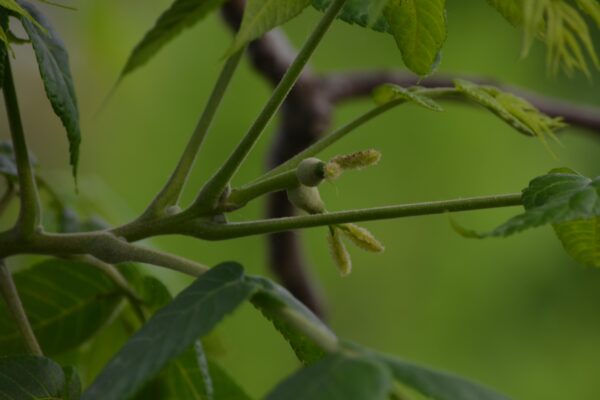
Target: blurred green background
[516,314]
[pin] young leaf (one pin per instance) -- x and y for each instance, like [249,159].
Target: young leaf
[581,240]
[337,377]
[67,302]
[419,27]
[181,15]
[591,8]
[273,299]
[31,378]
[568,201]
[260,16]
[192,314]
[389,92]
[376,11]
[53,62]
[512,10]
[515,111]
[14,7]
[437,385]
[183,380]
[357,12]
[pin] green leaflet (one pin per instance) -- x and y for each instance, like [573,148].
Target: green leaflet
[555,198]
[591,8]
[187,376]
[419,27]
[437,385]
[559,25]
[512,10]
[14,7]
[272,299]
[33,378]
[389,92]
[337,377]
[183,380]
[181,15]
[376,11]
[67,303]
[581,240]
[357,12]
[515,111]
[53,62]
[260,16]
[568,201]
[173,329]
[72,387]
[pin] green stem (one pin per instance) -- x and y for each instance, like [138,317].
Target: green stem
[239,197]
[211,231]
[13,302]
[170,193]
[29,214]
[213,189]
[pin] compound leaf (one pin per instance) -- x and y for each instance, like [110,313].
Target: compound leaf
[67,302]
[260,16]
[172,330]
[419,27]
[53,63]
[181,15]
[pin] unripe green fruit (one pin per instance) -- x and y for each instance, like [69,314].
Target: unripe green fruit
[306,198]
[310,172]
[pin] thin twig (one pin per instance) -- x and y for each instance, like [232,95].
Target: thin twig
[15,306]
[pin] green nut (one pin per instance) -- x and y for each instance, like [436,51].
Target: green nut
[310,172]
[306,198]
